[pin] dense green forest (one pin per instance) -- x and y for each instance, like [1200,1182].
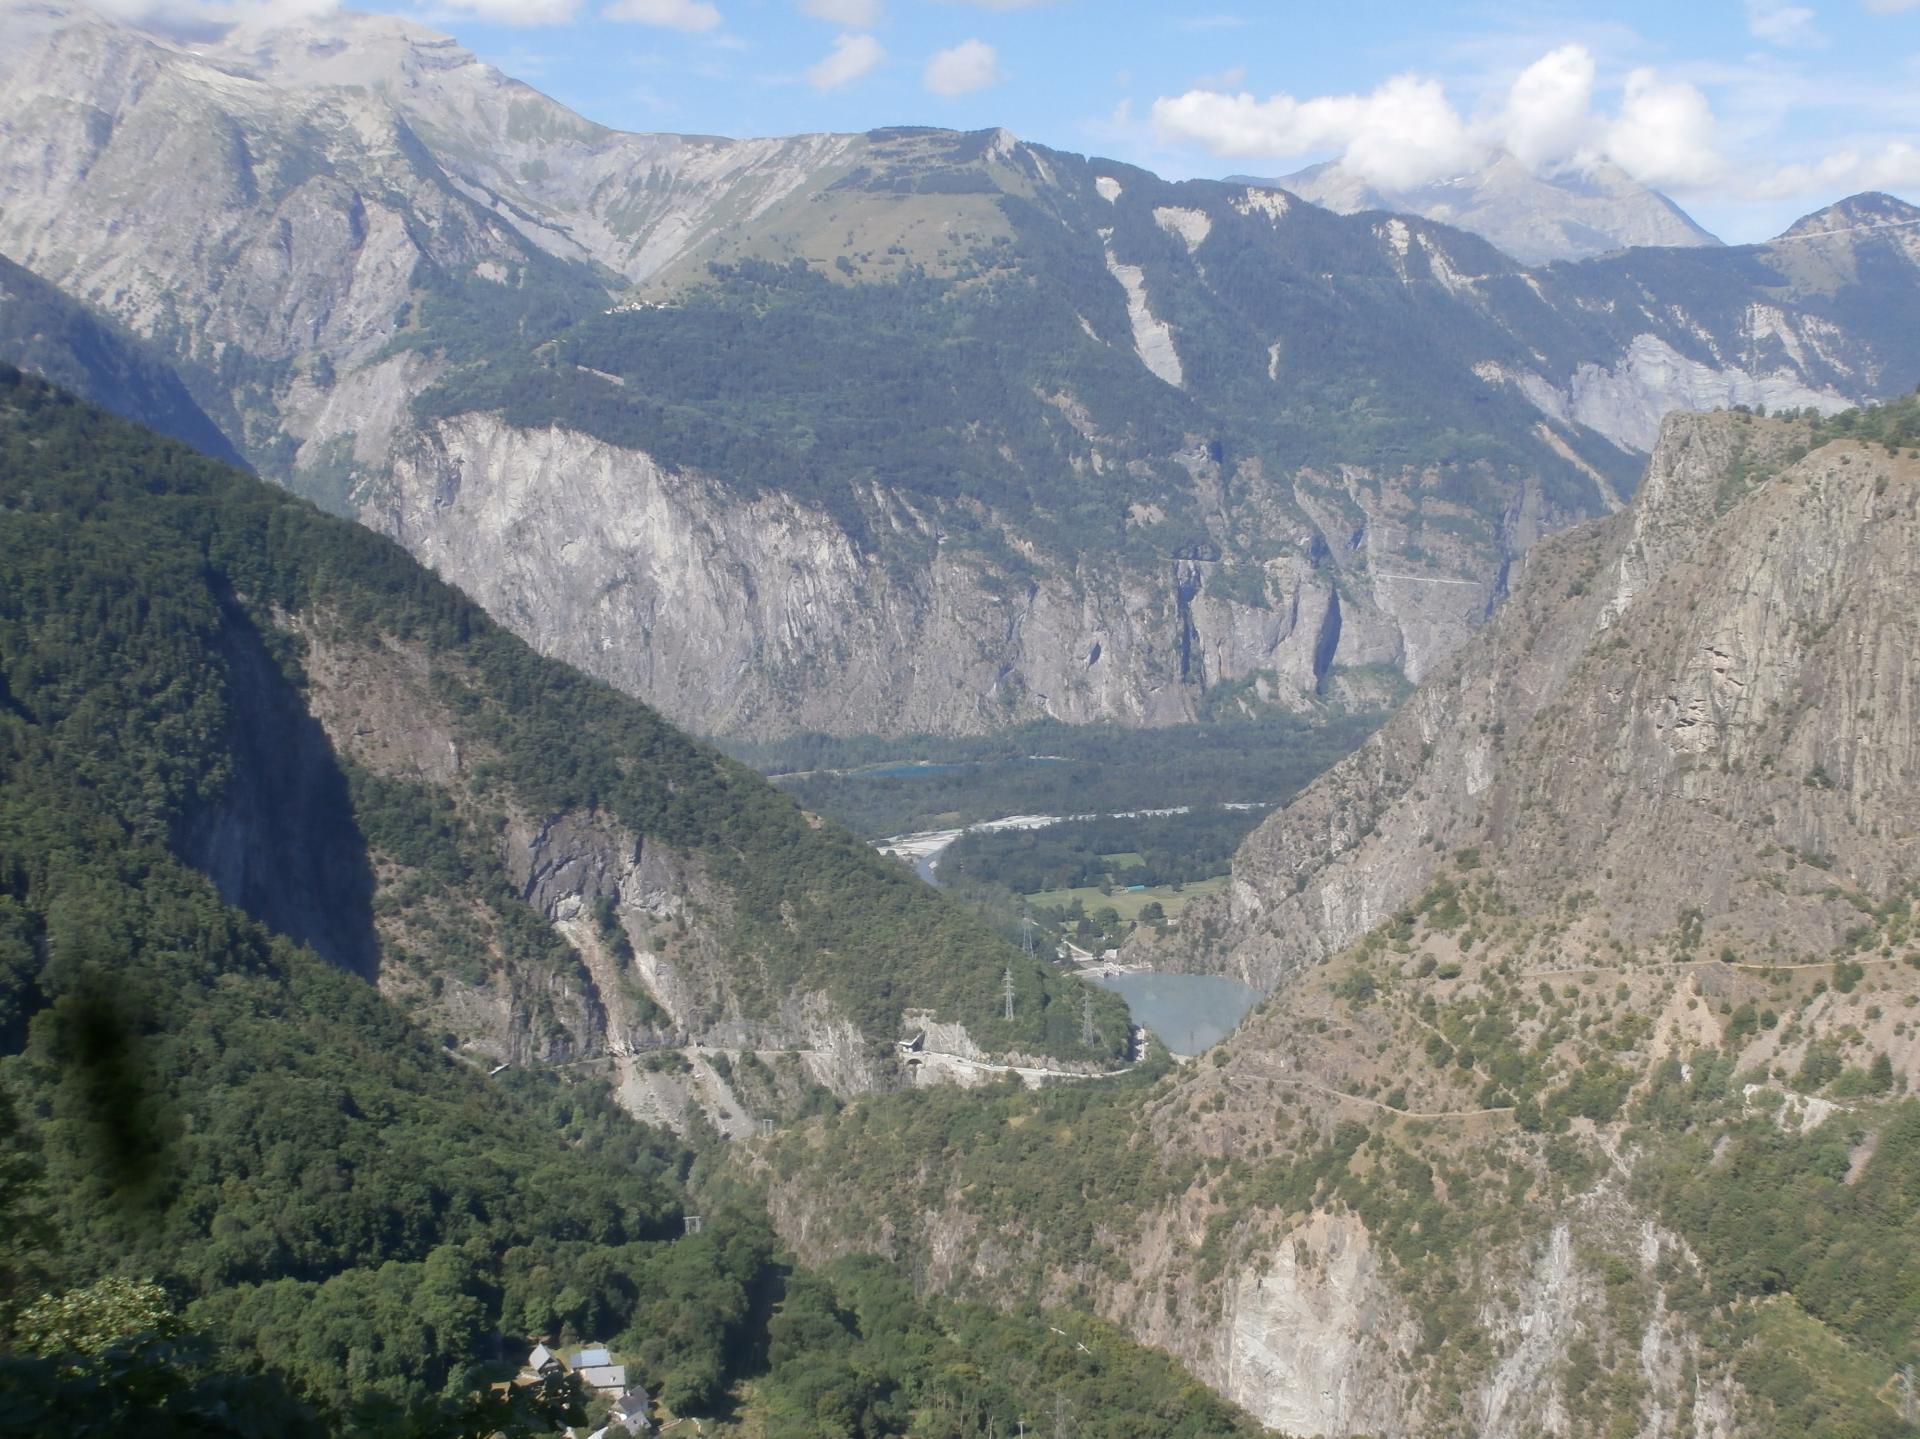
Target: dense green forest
[881,786]
[853,1354]
[779,377]
[1808,1238]
[240,1193]
[134,570]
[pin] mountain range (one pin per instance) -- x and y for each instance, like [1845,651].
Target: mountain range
[1187,445]
[1575,213]
[389,981]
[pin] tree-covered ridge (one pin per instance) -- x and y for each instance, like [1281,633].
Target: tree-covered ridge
[134,568]
[1747,1195]
[853,1353]
[349,1215]
[314,1183]
[240,1193]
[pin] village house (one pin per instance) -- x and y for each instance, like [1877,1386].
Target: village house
[598,1371]
[629,1415]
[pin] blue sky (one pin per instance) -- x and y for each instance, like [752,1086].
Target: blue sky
[1749,112]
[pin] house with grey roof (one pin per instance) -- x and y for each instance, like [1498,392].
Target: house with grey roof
[604,1377]
[631,1408]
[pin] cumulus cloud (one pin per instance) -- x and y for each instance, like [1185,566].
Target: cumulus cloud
[666,14]
[851,57]
[1548,117]
[1406,132]
[1894,166]
[850,14]
[1664,134]
[971,65]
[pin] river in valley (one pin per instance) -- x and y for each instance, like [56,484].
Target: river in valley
[923,850]
[1189,1013]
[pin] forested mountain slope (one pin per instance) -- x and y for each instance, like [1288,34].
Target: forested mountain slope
[241,1192]
[519,856]
[1582,1101]
[906,430]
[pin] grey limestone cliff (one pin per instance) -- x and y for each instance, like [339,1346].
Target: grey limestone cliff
[1723,668]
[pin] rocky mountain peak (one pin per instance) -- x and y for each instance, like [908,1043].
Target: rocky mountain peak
[343,47]
[1869,210]
[417,289]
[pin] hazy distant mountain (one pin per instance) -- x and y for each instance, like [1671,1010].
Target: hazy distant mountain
[55,336]
[1572,215]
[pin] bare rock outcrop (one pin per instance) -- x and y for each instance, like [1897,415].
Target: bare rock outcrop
[1725,666]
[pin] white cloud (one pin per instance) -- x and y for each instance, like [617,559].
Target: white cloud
[1894,166]
[971,65]
[849,14]
[202,19]
[1405,133]
[1892,7]
[1664,134]
[1548,118]
[667,14]
[1781,24]
[515,12]
[1231,78]
[851,57]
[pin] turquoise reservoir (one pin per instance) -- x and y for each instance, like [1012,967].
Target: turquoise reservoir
[1188,1012]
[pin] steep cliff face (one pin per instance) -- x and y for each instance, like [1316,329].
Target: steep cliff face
[1719,669]
[639,967]
[1338,1265]
[758,615]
